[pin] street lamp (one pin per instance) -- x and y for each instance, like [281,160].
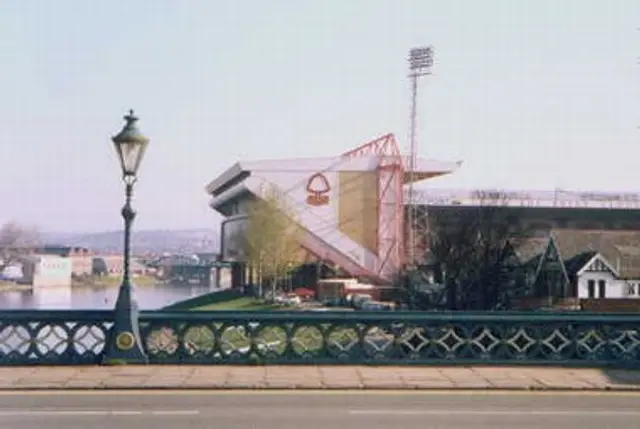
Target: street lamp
[125,343]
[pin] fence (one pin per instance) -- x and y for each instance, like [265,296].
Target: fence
[399,338]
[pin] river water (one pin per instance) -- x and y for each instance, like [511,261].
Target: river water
[149,297]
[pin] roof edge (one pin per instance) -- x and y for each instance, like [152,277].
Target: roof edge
[229,174]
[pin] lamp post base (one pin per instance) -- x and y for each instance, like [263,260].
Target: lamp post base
[124,345]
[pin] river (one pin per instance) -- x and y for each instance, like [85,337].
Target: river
[150,297]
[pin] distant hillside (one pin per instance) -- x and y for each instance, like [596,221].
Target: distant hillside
[174,241]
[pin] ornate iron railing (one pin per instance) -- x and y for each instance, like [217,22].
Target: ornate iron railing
[52,337]
[75,337]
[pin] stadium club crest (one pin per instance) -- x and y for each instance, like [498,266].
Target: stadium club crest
[318,189]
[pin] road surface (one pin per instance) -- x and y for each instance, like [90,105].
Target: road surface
[309,410]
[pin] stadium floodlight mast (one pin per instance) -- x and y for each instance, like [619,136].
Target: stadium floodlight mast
[420,64]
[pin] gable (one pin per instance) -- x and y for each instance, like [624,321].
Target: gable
[510,257]
[551,261]
[551,253]
[598,264]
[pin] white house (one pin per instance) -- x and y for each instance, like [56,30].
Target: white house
[599,279]
[587,264]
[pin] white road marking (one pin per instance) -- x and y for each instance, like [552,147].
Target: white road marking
[503,413]
[176,413]
[26,413]
[81,413]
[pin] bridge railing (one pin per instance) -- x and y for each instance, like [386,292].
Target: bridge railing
[53,337]
[397,338]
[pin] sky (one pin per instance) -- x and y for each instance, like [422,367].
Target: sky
[530,94]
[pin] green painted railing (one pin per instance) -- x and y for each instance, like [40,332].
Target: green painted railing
[53,337]
[399,338]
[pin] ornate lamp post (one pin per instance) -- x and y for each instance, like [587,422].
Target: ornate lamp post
[125,342]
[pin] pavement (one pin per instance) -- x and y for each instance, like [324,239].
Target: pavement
[219,377]
[318,410]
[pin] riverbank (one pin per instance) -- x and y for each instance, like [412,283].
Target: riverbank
[112,281]
[12,287]
[88,282]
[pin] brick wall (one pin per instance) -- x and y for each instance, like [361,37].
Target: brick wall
[600,305]
[544,302]
[81,264]
[618,305]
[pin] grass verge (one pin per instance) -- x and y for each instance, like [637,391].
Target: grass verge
[207,299]
[240,304]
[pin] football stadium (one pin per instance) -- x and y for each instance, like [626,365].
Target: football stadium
[352,207]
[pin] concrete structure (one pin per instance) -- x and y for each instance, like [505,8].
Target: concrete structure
[81,257]
[557,199]
[46,270]
[351,206]
[538,212]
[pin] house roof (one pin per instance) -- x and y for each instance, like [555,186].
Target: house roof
[620,248]
[577,262]
[530,249]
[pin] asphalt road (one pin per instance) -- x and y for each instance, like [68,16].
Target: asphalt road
[308,410]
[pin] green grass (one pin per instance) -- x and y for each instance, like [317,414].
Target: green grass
[241,304]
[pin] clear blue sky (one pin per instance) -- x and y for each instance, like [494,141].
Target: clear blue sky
[529,93]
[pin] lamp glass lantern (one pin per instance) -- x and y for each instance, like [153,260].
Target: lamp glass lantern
[130,145]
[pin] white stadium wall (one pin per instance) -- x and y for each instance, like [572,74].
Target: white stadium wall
[315,196]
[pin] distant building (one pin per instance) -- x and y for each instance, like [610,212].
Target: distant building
[12,272]
[51,249]
[82,265]
[113,265]
[81,257]
[208,256]
[46,270]
[85,262]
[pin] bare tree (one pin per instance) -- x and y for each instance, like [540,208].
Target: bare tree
[272,237]
[16,240]
[471,249]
